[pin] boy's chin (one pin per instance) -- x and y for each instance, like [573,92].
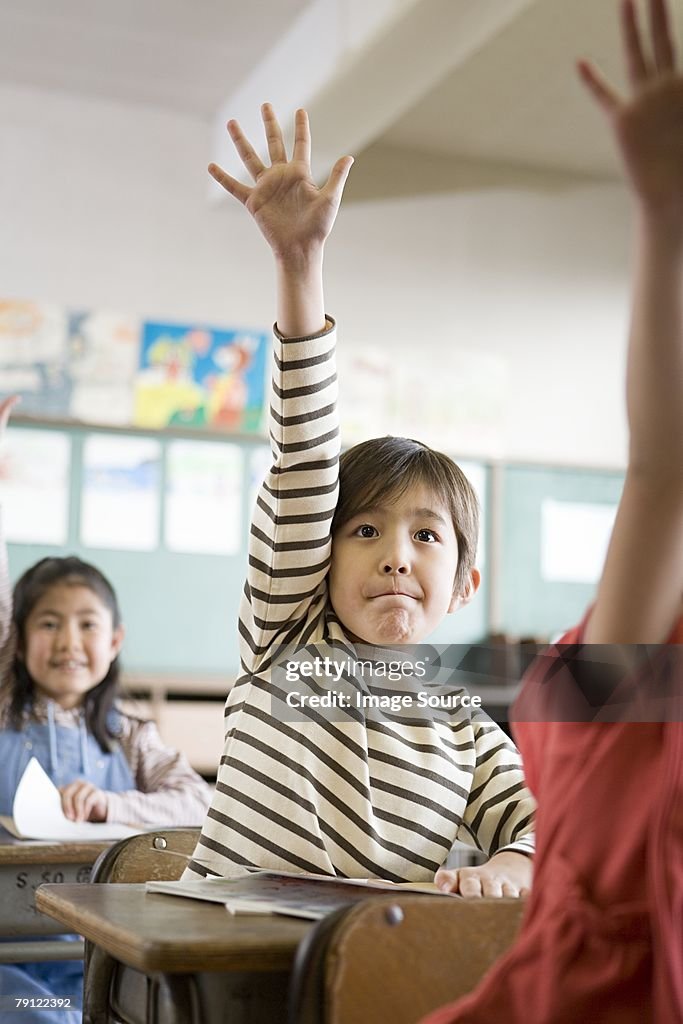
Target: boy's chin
[394,627]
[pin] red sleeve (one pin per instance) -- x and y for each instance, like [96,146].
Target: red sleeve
[531,728]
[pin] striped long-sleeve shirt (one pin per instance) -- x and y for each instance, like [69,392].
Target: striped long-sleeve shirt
[368,793]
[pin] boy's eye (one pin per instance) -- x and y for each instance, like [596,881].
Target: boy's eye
[366,530]
[89,624]
[426,535]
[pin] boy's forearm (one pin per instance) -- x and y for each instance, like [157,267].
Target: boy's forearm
[655,359]
[300,301]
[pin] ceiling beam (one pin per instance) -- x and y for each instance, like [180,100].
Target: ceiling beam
[357,73]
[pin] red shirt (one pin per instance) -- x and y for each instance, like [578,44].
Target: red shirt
[602,937]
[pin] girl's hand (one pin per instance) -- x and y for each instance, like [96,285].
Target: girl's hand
[649,123]
[6,406]
[505,874]
[294,215]
[81,801]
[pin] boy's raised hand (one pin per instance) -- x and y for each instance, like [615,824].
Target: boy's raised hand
[648,123]
[294,215]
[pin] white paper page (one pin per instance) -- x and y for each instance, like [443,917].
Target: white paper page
[37,812]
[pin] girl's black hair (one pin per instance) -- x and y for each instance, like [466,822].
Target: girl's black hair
[28,590]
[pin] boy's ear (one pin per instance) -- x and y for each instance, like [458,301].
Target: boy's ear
[467,593]
[117,641]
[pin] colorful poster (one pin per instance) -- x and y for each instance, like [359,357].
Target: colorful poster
[103,358]
[34,486]
[120,493]
[203,504]
[200,377]
[34,357]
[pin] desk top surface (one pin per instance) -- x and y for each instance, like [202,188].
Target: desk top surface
[34,851]
[155,932]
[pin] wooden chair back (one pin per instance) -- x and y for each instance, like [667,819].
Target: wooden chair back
[395,959]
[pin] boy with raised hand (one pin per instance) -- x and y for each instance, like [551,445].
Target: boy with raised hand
[373,551]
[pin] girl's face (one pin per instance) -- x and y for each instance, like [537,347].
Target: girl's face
[69,643]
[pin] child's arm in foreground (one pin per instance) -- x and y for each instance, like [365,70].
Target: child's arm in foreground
[290,536]
[639,597]
[6,636]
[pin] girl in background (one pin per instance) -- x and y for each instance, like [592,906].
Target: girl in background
[60,638]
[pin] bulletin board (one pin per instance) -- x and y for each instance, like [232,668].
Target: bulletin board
[181,609]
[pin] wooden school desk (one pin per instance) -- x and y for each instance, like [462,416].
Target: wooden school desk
[172,952]
[183,961]
[24,865]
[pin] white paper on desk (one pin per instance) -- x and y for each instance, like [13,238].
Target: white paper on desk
[37,813]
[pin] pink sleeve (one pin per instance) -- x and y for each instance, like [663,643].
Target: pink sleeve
[169,791]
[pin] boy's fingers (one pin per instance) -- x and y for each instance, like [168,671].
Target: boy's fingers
[446,879]
[334,185]
[276,144]
[599,87]
[230,184]
[636,63]
[245,150]
[470,885]
[662,39]
[302,137]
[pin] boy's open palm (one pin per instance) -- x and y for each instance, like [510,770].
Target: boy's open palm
[649,123]
[294,215]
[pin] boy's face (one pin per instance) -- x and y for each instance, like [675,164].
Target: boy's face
[70,642]
[393,570]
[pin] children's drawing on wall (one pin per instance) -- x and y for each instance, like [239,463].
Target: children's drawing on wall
[103,359]
[197,377]
[120,495]
[34,477]
[34,357]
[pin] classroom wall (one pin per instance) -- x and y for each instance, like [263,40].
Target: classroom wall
[105,205]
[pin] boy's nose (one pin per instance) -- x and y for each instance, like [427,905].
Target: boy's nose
[395,567]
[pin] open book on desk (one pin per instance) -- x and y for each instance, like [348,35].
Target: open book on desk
[37,814]
[289,893]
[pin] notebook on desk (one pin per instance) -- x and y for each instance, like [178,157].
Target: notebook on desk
[289,893]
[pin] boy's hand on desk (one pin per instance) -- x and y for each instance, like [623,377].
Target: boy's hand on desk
[505,874]
[81,801]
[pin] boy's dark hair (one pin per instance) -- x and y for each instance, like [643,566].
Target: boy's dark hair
[28,590]
[383,468]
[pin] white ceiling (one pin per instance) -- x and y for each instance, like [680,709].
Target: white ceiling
[185,55]
[484,80]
